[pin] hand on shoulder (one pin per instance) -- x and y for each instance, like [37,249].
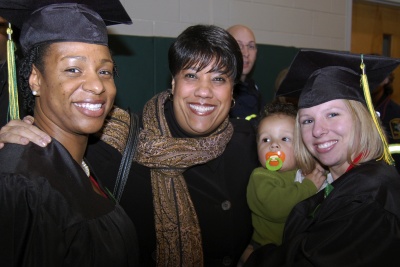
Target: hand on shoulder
[22,132]
[317,176]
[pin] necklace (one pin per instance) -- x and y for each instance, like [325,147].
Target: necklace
[85,167]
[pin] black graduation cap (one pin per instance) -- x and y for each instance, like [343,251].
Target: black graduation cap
[63,20]
[318,76]
[17,11]
[47,21]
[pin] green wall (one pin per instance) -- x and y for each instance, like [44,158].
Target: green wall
[143,68]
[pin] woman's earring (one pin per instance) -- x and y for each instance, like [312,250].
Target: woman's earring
[34,92]
[171,96]
[234,103]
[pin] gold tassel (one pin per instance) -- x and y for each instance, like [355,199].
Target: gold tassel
[364,82]
[13,107]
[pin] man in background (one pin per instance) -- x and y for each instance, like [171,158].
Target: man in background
[248,101]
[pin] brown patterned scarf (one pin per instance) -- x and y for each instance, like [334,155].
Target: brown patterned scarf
[176,223]
[115,129]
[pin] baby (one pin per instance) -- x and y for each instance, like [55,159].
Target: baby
[276,187]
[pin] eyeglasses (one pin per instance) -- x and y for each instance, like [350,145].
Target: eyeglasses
[251,46]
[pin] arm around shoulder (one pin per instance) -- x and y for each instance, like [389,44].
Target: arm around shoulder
[116,128]
[22,132]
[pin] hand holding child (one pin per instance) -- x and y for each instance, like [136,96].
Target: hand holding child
[317,176]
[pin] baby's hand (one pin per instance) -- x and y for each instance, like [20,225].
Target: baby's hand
[22,132]
[317,176]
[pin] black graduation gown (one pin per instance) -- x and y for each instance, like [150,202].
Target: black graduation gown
[358,224]
[51,216]
[217,189]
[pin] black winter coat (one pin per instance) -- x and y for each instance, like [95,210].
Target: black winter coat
[217,189]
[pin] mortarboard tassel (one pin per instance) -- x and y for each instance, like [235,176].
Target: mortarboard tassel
[364,83]
[13,107]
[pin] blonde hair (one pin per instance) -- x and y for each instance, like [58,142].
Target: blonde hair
[364,139]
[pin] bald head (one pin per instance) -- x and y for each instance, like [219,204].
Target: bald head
[238,29]
[247,42]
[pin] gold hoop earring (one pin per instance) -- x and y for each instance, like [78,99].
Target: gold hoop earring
[234,103]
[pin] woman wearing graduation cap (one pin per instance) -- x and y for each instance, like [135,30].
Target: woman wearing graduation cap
[356,220]
[53,210]
[186,191]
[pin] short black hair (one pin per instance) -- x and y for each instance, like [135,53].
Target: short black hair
[199,45]
[276,107]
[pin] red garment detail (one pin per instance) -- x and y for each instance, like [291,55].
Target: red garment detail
[97,186]
[356,160]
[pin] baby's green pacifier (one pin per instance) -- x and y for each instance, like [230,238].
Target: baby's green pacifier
[274,160]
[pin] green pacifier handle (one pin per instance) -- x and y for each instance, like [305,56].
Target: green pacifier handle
[274,168]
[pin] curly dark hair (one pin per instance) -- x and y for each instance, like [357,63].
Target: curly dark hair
[34,56]
[276,107]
